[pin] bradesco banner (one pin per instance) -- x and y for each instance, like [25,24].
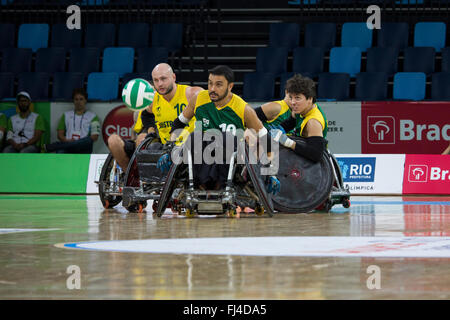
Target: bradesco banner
[426,174]
[114,117]
[372,174]
[405,127]
[344,125]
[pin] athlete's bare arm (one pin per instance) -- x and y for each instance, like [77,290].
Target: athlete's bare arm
[313,128]
[251,119]
[271,110]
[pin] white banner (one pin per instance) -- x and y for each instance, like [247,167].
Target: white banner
[95,169]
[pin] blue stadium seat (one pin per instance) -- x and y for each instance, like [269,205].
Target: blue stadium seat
[445,60]
[50,60]
[35,83]
[258,86]
[135,35]
[321,35]
[308,60]
[6,85]
[64,83]
[16,60]
[283,78]
[167,35]
[333,86]
[148,58]
[356,34]
[118,59]
[100,35]
[7,35]
[381,59]
[84,60]
[409,86]
[272,60]
[440,84]
[33,36]
[103,86]
[62,37]
[345,59]
[284,35]
[134,75]
[419,59]
[430,34]
[394,35]
[371,86]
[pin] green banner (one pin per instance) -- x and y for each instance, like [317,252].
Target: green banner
[43,173]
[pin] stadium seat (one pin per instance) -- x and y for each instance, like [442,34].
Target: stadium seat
[394,35]
[50,60]
[333,86]
[419,59]
[64,83]
[118,59]
[409,86]
[430,34]
[382,60]
[135,35]
[284,35]
[283,78]
[33,36]
[258,86]
[308,60]
[100,35]
[356,34]
[320,35]
[345,59]
[371,86]
[148,58]
[6,85]
[272,60]
[7,35]
[134,75]
[440,84]
[62,37]
[84,60]
[168,35]
[35,83]
[16,60]
[103,86]
[445,60]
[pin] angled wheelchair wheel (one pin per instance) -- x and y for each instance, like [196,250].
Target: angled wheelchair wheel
[304,184]
[110,183]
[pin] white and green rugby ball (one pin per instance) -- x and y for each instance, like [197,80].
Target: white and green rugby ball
[138,94]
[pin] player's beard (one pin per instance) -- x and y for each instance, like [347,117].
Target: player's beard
[219,98]
[169,90]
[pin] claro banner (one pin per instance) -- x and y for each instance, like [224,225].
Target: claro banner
[405,127]
[426,174]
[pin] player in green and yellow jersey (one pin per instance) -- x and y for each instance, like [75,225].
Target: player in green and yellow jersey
[219,108]
[306,119]
[169,101]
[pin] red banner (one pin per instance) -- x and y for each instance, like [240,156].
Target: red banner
[405,127]
[426,174]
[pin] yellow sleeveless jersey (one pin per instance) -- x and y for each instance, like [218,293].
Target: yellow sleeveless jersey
[315,113]
[227,118]
[166,112]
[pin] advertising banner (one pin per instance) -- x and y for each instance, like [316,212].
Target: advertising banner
[95,169]
[405,127]
[372,174]
[426,174]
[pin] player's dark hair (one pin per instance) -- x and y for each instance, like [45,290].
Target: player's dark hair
[301,85]
[225,71]
[79,91]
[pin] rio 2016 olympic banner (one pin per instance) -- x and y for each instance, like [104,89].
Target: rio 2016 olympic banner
[405,127]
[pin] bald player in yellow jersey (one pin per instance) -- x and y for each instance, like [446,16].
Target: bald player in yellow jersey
[168,103]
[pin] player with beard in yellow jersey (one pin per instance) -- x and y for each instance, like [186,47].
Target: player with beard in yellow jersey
[168,103]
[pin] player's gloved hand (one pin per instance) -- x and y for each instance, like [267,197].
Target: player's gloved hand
[164,162]
[273,185]
[281,137]
[279,127]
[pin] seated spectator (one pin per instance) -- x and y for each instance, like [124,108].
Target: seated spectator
[3,124]
[447,151]
[24,130]
[77,129]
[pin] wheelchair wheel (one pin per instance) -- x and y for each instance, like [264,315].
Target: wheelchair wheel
[110,183]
